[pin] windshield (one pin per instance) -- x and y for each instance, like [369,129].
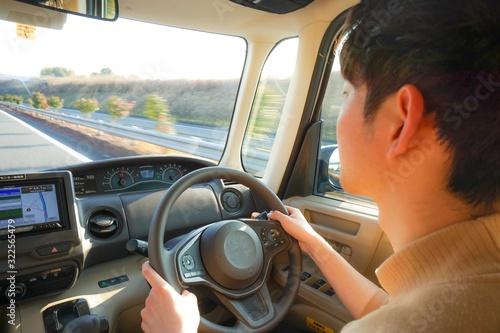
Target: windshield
[96,90]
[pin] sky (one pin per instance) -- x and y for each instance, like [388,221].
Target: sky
[87,46]
[128,48]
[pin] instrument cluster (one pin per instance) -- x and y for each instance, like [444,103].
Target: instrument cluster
[130,177]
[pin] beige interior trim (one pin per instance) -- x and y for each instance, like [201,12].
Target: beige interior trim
[110,301]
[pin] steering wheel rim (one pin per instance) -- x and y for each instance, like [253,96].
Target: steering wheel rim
[164,262]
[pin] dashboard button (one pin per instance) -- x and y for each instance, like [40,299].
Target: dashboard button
[53,249]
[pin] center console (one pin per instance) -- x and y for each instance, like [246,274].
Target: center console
[41,250]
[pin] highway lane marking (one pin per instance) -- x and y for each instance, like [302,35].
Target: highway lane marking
[50,139]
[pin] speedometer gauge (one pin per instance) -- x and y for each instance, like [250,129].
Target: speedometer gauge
[118,178]
[171,172]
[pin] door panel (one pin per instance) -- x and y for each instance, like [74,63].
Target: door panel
[353,231]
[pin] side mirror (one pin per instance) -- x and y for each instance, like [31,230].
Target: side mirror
[100,9]
[334,169]
[329,169]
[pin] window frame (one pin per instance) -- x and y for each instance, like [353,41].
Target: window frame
[336,192]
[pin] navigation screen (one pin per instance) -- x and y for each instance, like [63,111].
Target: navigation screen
[28,205]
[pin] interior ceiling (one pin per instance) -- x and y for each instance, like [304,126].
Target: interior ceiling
[223,16]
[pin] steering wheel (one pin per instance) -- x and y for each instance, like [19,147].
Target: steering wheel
[233,258]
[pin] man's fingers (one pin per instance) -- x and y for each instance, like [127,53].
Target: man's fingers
[154,279]
[190,296]
[274,215]
[291,209]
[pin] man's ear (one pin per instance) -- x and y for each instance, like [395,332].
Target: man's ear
[409,110]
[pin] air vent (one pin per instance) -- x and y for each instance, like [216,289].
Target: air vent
[231,201]
[229,182]
[103,223]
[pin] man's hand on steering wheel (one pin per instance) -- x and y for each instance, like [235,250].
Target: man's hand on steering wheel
[182,309]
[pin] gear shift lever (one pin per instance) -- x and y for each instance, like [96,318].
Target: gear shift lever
[87,324]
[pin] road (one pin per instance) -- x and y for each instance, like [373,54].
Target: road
[204,141]
[20,154]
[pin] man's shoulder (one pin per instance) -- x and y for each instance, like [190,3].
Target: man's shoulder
[463,305]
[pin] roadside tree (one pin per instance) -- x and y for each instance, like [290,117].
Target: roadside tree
[38,101]
[119,108]
[86,106]
[55,102]
[156,108]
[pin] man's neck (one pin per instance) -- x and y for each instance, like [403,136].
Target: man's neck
[407,218]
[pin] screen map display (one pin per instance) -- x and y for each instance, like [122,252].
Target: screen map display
[28,205]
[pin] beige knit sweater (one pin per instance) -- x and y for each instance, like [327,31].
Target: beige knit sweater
[448,281]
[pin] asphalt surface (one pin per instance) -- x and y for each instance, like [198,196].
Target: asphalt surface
[24,148]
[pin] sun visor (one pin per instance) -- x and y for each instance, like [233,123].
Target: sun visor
[275,6]
[30,15]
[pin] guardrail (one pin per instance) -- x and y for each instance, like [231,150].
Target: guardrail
[187,144]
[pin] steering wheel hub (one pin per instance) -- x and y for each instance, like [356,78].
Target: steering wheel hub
[232,254]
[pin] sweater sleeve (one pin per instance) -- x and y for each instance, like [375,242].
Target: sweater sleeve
[379,298]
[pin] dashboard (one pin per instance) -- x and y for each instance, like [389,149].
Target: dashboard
[126,175]
[90,211]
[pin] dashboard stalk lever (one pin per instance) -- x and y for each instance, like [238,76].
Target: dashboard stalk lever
[261,216]
[138,246]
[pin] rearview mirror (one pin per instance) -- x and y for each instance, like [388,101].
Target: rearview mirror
[99,9]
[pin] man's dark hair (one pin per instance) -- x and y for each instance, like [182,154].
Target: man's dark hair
[449,50]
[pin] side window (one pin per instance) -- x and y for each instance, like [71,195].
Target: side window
[329,166]
[268,106]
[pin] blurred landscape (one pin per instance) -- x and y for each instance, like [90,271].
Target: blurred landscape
[207,102]
[187,100]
